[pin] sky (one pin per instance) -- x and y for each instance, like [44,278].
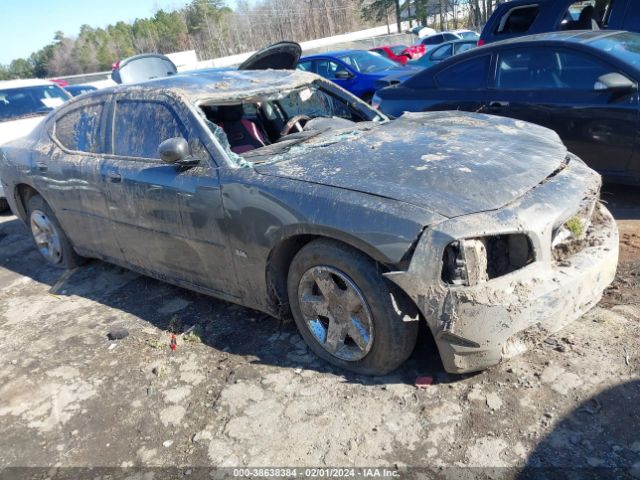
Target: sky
[29,25]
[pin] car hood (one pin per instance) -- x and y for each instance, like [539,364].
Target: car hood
[18,128]
[451,163]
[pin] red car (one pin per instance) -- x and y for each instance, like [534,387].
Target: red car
[414,52]
[397,53]
[429,42]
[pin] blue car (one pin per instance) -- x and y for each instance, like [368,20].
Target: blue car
[357,71]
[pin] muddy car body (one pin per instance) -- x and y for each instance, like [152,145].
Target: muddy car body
[485,227]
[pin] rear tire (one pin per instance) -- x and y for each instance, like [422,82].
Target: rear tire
[4,205]
[49,237]
[361,329]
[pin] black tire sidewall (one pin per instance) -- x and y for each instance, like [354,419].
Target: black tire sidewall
[70,259]
[394,339]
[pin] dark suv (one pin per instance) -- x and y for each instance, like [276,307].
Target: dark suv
[523,17]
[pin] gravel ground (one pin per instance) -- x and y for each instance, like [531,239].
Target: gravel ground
[243,390]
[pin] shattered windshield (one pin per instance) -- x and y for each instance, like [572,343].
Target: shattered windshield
[16,103]
[272,124]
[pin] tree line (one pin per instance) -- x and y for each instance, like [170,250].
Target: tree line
[214,30]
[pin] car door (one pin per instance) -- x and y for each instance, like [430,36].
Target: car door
[167,218]
[460,85]
[73,181]
[450,85]
[338,73]
[441,53]
[557,87]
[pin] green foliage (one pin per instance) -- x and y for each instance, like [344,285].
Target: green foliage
[574,224]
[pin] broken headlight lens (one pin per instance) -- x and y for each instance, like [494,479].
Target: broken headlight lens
[473,261]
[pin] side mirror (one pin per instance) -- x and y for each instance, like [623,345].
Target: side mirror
[343,75]
[175,151]
[614,82]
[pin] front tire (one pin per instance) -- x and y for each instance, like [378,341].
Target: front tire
[346,311]
[49,237]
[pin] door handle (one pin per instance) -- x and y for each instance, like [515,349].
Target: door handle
[114,177]
[497,106]
[42,168]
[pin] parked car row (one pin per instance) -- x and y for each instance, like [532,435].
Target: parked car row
[583,85]
[282,192]
[362,73]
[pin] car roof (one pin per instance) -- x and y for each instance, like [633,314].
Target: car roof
[334,53]
[223,86]
[582,37]
[36,82]
[459,40]
[433,35]
[519,3]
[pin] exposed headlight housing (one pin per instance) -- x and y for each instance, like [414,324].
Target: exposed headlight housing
[476,260]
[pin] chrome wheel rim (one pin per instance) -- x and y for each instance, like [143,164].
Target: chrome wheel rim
[336,313]
[46,237]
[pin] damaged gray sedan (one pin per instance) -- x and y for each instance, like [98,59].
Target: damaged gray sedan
[281,192]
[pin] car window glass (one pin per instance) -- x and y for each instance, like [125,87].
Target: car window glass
[328,69]
[583,15]
[305,66]
[449,36]
[517,20]
[79,130]
[442,52]
[469,74]
[398,49]
[625,46]
[20,102]
[314,103]
[434,40]
[141,126]
[541,68]
[463,47]
[368,62]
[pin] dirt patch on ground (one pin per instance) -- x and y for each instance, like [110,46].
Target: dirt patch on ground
[242,389]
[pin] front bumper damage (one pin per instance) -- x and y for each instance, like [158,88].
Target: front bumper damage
[477,326]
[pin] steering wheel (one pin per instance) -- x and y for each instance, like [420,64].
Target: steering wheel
[294,122]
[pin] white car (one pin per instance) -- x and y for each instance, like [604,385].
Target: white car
[466,34]
[23,104]
[426,32]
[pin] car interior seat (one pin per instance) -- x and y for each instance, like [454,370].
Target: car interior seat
[586,21]
[545,71]
[243,135]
